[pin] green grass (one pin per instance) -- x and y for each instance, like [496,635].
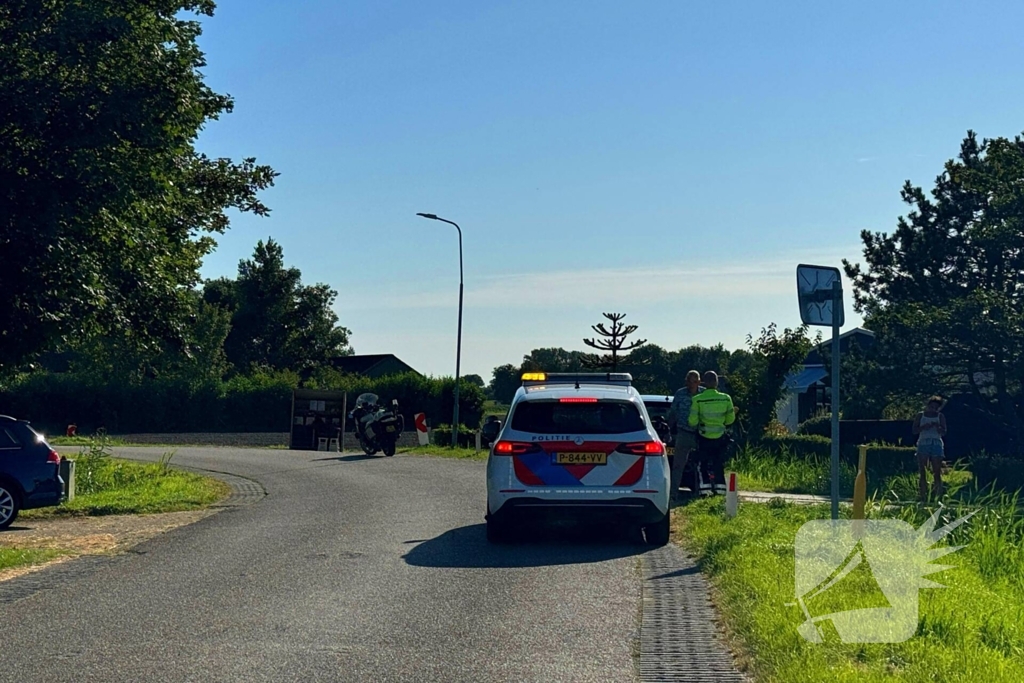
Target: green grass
[83,441]
[109,486]
[761,470]
[499,410]
[16,557]
[447,452]
[973,630]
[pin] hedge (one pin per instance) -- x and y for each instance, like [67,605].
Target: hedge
[882,459]
[259,402]
[1005,473]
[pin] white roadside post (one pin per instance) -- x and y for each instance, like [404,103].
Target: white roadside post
[478,441]
[344,417]
[422,435]
[732,499]
[820,293]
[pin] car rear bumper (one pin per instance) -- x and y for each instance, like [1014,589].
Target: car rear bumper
[628,510]
[41,500]
[45,495]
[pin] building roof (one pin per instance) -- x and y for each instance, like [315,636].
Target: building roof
[806,378]
[364,365]
[865,338]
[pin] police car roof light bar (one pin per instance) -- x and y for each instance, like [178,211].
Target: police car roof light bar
[577,378]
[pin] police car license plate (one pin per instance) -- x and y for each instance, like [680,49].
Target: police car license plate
[581,458]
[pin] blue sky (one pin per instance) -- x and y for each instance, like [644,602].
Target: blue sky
[670,160]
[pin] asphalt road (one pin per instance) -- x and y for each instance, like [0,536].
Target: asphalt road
[350,569]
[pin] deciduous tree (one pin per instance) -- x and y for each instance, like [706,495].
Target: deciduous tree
[276,321]
[106,207]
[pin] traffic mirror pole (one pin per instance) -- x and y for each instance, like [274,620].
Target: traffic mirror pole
[837,302]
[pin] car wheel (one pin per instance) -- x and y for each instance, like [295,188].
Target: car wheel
[497,532]
[657,534]
[8,505]
[389,449]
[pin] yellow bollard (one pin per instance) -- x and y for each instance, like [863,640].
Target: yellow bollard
[860,485]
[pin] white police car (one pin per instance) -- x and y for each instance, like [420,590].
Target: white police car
[578,445]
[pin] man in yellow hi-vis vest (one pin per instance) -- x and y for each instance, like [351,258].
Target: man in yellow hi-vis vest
[711,413]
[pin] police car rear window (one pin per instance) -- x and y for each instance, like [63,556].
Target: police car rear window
[552,417]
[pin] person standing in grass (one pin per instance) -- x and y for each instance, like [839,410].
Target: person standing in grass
[686,436]
[930,426]
[711,414]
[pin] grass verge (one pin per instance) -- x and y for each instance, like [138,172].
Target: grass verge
[17,557]
[84,441]
[446,452]
[972,630]
[109,486]
[761,470]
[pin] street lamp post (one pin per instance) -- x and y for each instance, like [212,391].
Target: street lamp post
[458,348]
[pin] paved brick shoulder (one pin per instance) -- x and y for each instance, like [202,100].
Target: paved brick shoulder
[679,637]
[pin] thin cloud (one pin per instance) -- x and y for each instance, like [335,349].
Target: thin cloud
[613,286]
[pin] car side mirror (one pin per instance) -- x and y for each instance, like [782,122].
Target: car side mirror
[490,430]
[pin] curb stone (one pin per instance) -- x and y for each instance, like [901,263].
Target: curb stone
[243,492]
[679,636]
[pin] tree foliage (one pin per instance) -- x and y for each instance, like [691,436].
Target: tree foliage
[612,340]
[276,321]
[505,380]
[554,359]
[774,356]
[944,292]
[106,208]
[655,370]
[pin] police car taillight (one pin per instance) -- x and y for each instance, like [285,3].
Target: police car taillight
[652,448]
[514,447]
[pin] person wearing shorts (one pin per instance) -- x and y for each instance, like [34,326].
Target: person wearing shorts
[930,426]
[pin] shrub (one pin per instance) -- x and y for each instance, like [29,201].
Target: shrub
[441,435]
[819,425]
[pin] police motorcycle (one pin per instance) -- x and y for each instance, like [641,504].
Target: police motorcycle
[377,428]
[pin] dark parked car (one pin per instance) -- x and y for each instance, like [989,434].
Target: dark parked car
[657,409]
[29,470]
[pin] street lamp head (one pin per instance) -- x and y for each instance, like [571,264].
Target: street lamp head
[428,215]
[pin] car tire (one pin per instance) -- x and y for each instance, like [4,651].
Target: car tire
[9,505]
[497,531]
[389,449]
[657,534]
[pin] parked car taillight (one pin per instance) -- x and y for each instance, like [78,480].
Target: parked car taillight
[53,458]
